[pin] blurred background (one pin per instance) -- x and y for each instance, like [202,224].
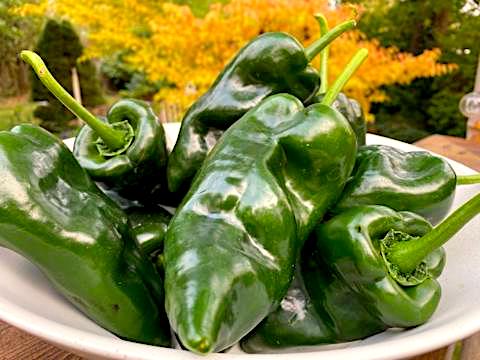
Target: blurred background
[423,55]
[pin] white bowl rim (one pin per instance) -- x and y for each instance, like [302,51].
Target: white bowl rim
[87,343]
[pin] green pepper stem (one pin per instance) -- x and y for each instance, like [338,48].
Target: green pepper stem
[347,73]
[114,139]
[323,22]
[468,179]
[407,255]
[314,49]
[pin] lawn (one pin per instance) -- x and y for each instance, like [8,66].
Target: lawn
[16,111]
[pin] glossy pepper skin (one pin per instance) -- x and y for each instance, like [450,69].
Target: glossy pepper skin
[138,172]
[149,226]
[353,112]
[232,245]
[126,151]
[414,181]
[271,63]
[53,214]
[344,291]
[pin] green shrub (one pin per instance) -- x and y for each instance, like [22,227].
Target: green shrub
[17,114]
[60,47]
[127,80]
[428,105]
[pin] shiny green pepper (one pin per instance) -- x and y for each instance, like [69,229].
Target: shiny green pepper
[271,63]
[414,181]
[232,245]
[52,213]
[137,173]
[268,181]
[363,271]
[351,109]
[149,226]
[126,151]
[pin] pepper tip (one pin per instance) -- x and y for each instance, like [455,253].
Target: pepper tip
[204,346]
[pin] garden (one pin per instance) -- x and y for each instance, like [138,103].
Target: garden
[170,52]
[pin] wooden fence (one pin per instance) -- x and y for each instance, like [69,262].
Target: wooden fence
[168,112]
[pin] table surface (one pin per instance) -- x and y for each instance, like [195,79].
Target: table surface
[18,345]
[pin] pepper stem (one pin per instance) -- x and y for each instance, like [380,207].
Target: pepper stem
[315,48]
[347,73]
[114,139]
[323,22]
[468,179]
[408,254]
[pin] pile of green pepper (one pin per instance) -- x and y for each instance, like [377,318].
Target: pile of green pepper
[289,230]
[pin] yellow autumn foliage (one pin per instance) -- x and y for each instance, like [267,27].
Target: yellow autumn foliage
[166,41]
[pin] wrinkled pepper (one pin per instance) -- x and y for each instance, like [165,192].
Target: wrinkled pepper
[414,181]
[53,214]
[364,271]
[231,248]
[348,107]
[271,63]
[126,151]
[322,307]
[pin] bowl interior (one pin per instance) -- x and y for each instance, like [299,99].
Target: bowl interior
[28,301]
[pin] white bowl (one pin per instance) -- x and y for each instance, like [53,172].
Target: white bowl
[29,302]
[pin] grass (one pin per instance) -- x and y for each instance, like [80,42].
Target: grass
[16,111]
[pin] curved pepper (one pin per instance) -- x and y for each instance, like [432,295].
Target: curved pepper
[363,271]
[344,291]
[271,63]
[126,152]
[54,215]
[139,172]
[231,247]
[270,178]
[415,181]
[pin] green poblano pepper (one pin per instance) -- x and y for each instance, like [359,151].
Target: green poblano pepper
[271,63]
[232,245]
[414,181]
[149,226]
[365,270]
[344,291]
[126,151]
[53,214]
[351,109]
[138,172]
[256,198]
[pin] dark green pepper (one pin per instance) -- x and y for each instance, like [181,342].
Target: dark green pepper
[271,63]
[363,271]
[52,213]
[149,226]
[415,181]
[126,152]
[232,245]
[351,109]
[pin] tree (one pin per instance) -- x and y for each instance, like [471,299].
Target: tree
[60,48]
[426,105]
[167,41]
[16,33]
